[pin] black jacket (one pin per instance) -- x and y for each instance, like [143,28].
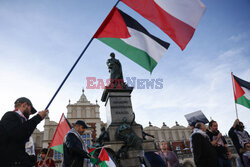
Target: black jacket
[236,142]
[204,153]
[73,153]
[15,132]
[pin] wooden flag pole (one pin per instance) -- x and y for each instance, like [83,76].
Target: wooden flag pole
[234,92]
[72,68]
[47,154]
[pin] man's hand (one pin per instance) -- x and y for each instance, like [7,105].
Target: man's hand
[236,122]
[43,113]
[219,136]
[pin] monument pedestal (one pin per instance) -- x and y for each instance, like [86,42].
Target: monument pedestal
[120,118]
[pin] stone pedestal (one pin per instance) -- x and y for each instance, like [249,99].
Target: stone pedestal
[118,105]
[119,108]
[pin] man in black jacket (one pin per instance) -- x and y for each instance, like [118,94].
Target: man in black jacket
[204,153]
[15,130]
[75,151]
[220,145]
[239,136]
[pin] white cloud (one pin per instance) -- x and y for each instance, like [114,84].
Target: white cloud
[239,37]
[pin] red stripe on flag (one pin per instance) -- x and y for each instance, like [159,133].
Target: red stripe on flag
[61,131]
[91,150]
[113,26]
[238,91]
[176,29]
[103,156]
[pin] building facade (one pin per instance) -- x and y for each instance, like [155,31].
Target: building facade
[83,110]
[177,136]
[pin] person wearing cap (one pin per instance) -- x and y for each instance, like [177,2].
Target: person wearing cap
[45,161]
[75,150]
[16,130]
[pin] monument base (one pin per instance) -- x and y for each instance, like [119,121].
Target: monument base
[134,157]
[125,135]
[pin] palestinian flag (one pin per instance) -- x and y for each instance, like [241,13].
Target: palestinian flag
[93,160]
[177,18]
[106,160]
[127,36]
[241,91]
[62,129]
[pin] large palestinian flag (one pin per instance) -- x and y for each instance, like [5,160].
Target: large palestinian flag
[241,91]
[127,36]
[177,18]
[62,129]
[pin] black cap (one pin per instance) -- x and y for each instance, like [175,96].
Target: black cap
[26,100]
[44,151]
[80,122]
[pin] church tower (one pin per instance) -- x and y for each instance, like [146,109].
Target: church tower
[89,113]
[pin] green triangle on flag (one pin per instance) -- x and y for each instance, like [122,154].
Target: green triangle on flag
[106,160]
[93,160]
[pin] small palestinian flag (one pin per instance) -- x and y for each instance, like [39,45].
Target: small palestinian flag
[241,91]
[62,129]
[93,160]
[127,36]
[106,160]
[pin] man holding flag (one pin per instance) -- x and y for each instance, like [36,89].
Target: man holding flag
[16,130]
[75,151]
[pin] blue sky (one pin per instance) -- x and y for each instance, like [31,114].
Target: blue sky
[40,41]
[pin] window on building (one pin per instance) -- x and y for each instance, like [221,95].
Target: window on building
[57,155]
[87,138]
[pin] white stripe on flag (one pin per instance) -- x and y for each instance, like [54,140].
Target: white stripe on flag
[188,11]
[247,93]
[145,43]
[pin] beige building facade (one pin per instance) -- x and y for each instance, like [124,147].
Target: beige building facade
[177,136]
[83,110]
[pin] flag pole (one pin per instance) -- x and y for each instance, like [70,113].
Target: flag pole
[47,154]
[234,95]
[72,68]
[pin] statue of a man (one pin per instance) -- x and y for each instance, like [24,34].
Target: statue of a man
[115,69]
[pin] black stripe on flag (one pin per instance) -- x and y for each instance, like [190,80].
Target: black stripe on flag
[242,83]
[132,23]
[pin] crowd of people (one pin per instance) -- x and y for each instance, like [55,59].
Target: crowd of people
[208,146]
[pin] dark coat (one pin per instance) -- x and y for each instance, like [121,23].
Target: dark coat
[204,153]
[155,160]
[236,142]
[73,153]
[15,132]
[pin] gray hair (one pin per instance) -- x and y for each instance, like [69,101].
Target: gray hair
[198,125]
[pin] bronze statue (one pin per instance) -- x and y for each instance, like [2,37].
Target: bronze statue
[104,136]
[132,142]
[115,69]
